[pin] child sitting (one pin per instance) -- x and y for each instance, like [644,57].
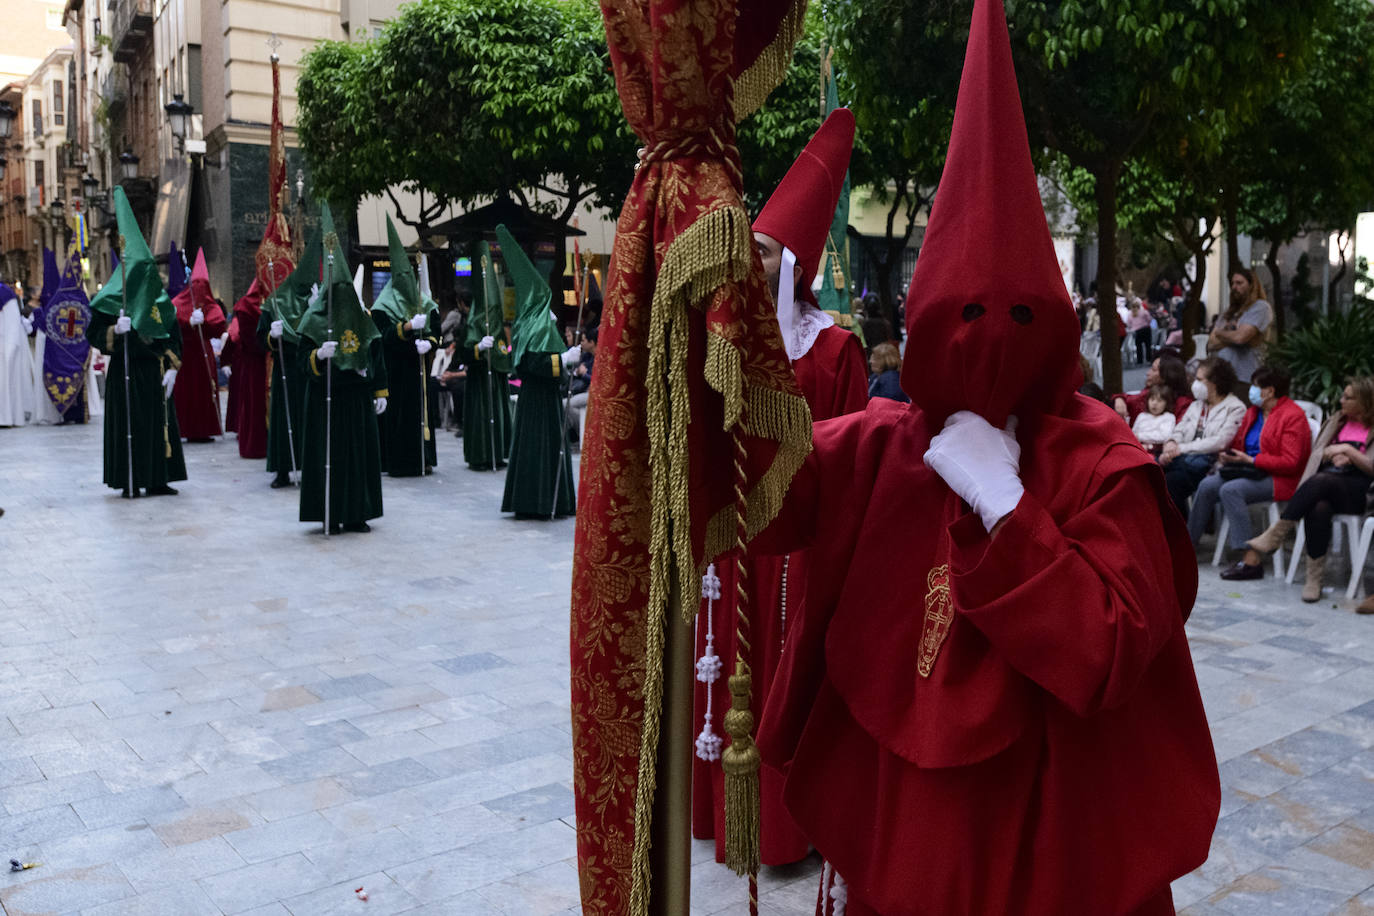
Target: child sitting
[1155,427]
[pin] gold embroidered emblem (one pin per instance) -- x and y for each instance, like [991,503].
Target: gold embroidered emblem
[349,342]
[939,617]
[157,316]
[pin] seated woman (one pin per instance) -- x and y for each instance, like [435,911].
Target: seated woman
[886,365]
[1167,369]
[1335,482]
[1208,425]
[1263,463]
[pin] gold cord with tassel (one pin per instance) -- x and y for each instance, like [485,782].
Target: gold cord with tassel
[741,759]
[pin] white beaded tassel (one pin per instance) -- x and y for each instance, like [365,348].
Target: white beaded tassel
[708,666]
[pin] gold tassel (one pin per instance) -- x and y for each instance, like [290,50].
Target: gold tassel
[741,761]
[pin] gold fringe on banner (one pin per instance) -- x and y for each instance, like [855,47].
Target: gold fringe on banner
[767,71]
[715,250]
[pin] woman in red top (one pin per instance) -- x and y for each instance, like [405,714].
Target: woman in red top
[1264,462]
[1337,477]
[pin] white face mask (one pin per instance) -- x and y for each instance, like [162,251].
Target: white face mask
[1199,391]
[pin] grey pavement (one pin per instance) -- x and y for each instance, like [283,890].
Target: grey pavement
[207,707]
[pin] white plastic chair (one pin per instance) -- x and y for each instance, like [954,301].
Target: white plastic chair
[1359,533]
[1315,416]
[1272,512]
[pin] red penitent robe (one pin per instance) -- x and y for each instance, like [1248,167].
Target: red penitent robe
[831,375]
[197,389]
[1015,727]
[248,385]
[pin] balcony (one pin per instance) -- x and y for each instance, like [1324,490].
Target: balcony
[114,88]
[131,26]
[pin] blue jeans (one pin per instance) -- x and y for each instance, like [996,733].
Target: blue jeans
[1235,497]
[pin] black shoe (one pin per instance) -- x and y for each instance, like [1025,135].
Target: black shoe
[335,528]
[162,491]
[1240,572]
[357,526]
[279,482]
[124,493]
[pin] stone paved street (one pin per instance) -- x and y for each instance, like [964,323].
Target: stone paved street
[208,708]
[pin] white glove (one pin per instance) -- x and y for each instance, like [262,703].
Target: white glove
[423,346]
[28,324]
[197,317]
[486,343]
[124,324]
[572,357]
[276,328]
[227,370]
[169,378]
[217,345]
[326,350]
[379,404]
[980,463]
[418,322]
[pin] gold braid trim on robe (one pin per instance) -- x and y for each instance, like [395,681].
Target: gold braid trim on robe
[716,250]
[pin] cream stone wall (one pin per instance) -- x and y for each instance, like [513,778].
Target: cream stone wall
[31,30]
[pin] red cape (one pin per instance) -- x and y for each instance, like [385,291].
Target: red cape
[1057,758]
[197,389]
[248,383]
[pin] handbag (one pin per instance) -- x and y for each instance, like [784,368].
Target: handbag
[1242,472]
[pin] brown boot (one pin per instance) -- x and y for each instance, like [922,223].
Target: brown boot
[1312,588]
[1366,606]
[1273,537]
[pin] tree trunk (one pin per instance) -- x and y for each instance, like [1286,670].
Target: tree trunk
[1192,306]
[1229,208]
[1105,192]
[1271,261]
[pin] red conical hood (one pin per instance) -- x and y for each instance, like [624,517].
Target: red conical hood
[197,293]
[990,325]
[800,211]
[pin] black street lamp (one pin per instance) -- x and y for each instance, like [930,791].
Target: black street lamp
[90,184]
[6,120]
[179,117]
[128,165]
[58,209]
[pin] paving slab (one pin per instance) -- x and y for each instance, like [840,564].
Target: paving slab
[216,710]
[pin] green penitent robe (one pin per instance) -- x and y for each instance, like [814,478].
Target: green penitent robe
[481,392]
[355,458]
[538,450]
[407,372]
[157,455]
[283,433]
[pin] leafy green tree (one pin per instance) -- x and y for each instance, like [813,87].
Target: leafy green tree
[1307,160]
[900,61]
[1105,80]
[469,99]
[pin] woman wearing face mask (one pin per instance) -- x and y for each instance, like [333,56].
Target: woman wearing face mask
[1336,479]
[1263,462]
[1207,426]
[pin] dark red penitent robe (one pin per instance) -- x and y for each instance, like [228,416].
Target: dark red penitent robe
[197,389]
[249,379]
[1016,728]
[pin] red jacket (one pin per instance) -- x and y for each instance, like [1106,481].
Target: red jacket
[1285,445]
